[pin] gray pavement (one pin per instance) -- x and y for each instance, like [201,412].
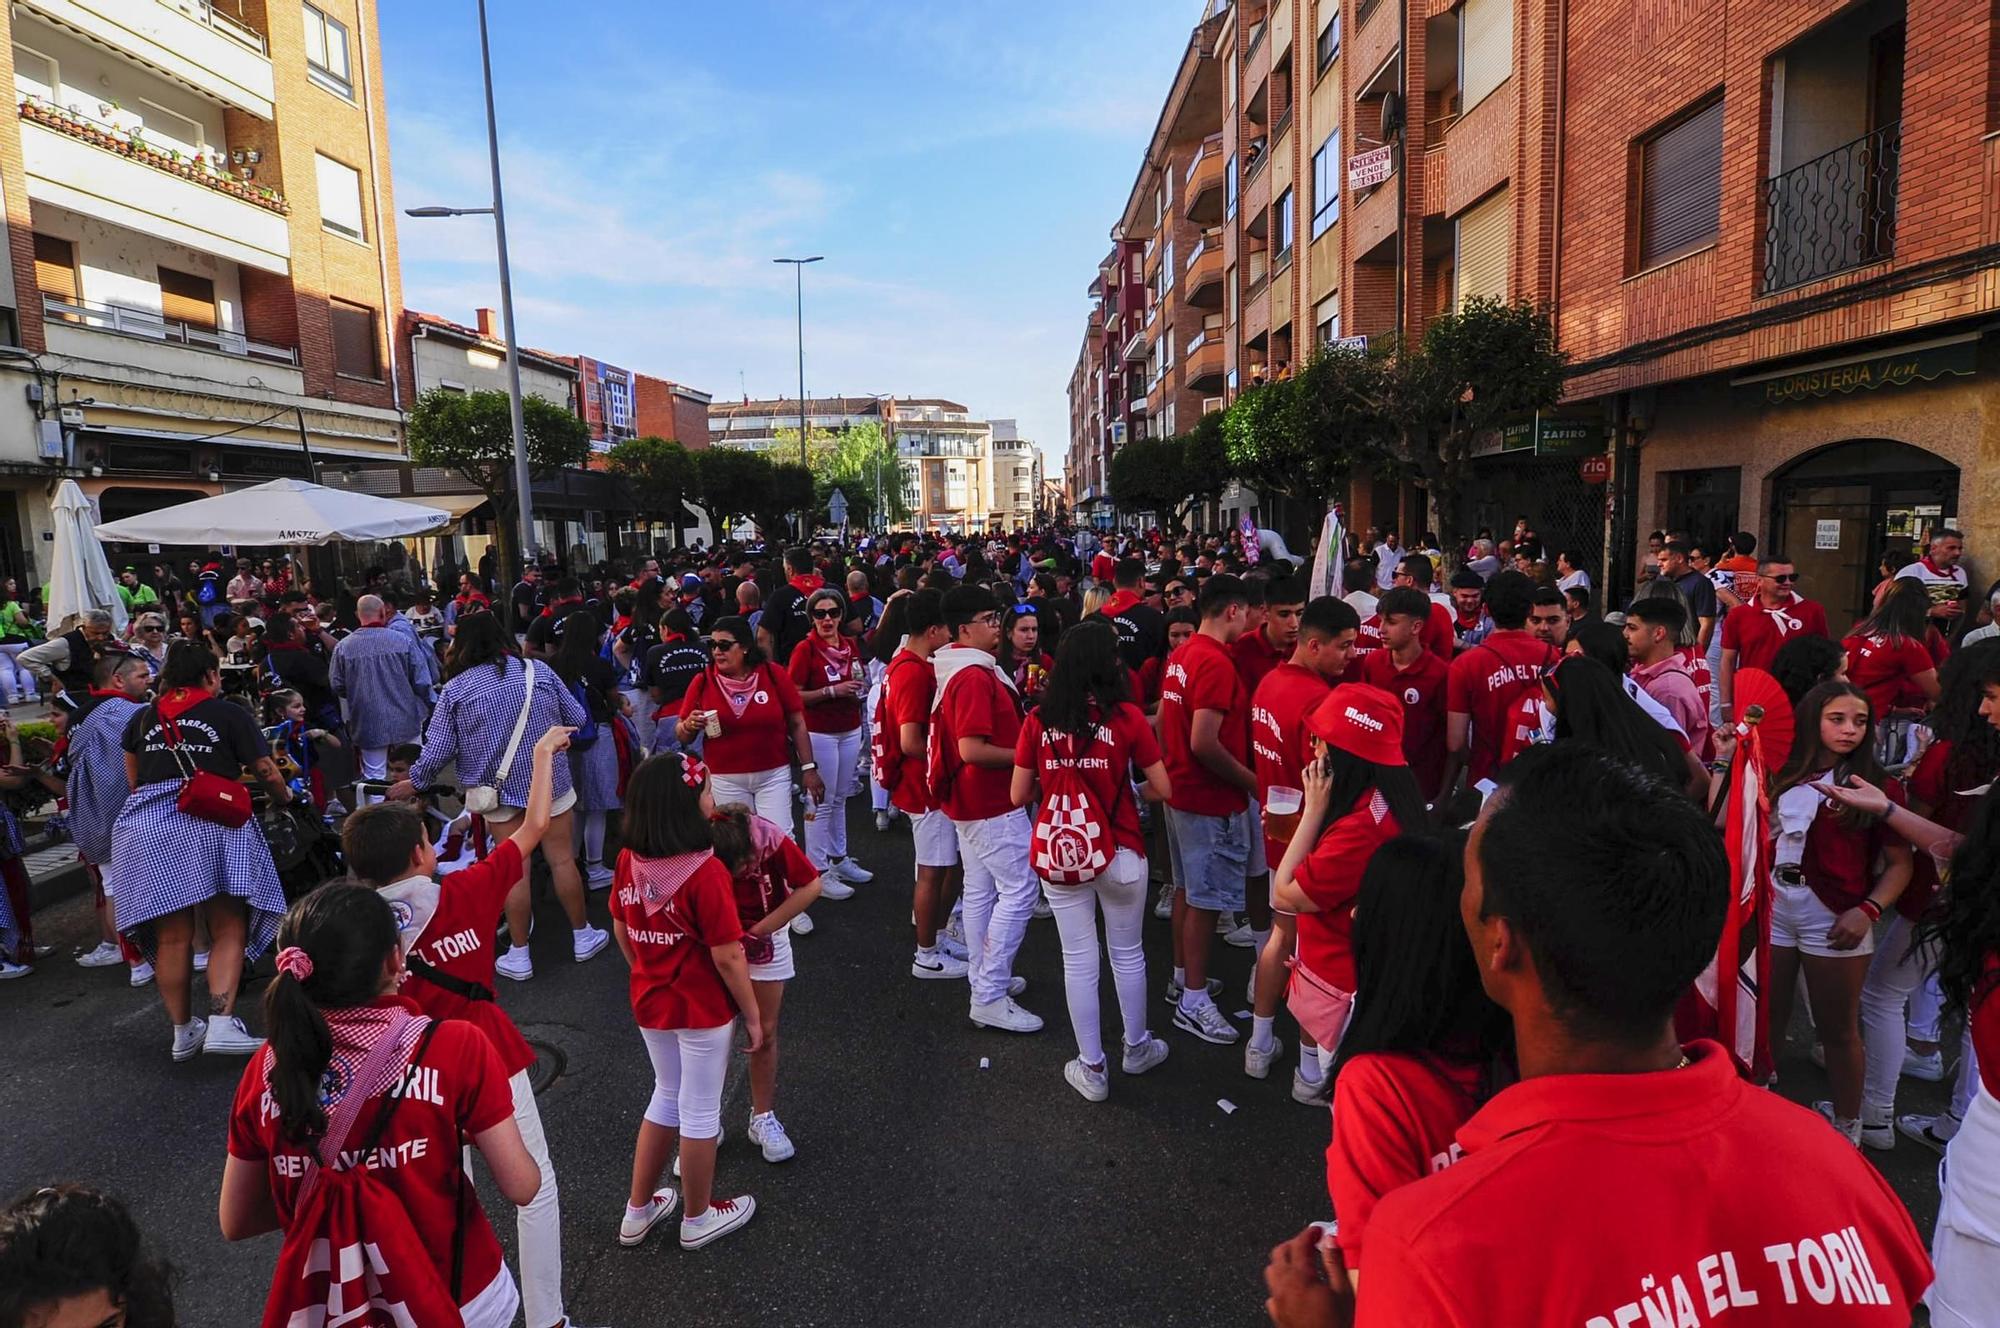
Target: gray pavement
[927,1189]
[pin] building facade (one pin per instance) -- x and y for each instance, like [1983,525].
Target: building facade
[201,281]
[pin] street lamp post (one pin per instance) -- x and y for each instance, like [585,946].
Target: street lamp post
[799,275]
[523,492]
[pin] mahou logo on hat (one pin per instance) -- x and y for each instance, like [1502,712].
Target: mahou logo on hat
[1362,721]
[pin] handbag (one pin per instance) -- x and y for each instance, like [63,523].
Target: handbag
[1321,1008]
[204,793]
[482,799]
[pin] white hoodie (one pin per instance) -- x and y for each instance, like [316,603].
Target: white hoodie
[949,660]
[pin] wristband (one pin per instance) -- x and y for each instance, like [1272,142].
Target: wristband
[1872,909]
[808,765]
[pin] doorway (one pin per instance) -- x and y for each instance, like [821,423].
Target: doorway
[1840,511]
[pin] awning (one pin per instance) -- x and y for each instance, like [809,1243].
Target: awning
[459,505]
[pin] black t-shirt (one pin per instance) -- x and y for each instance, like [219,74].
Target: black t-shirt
[542,630]
[218,736]
[525,600]
[1700,593]
[600,679]
[1142,635]
[307,673]
[671,667]
[785,618]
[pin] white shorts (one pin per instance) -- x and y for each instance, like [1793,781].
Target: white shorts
[936,840]
[781,968]
[1800,922]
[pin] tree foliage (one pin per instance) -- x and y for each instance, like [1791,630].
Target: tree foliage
[662,475]
[786,494]
[1171,476]
[731,482]
[472,433]
[852,465]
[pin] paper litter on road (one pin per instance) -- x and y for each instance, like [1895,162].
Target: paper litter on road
[1243,1014]
[1228,1107]
[985,1063]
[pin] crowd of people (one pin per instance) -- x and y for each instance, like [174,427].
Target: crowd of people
[1467,824]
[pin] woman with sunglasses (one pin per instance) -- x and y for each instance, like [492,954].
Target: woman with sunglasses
[149,639]
[1021,654]
[18,631]
[830,676]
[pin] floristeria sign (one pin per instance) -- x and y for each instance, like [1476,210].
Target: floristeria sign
[1867,373]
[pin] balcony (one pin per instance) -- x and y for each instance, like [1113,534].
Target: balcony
[1135,344]
[184,39]
[89,167]
[126,322]
[1204,184]
[1256,205]
[1203,287]
[1202,369]
[1835,212]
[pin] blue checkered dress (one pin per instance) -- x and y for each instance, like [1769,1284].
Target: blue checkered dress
[475,716]
[164,860]
[595,769]
[97,787]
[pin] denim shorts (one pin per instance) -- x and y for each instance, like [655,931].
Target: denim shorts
[1211,856]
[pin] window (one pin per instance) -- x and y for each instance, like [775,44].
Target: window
[1483,250]
[326,53]
[167,128]
[1326,184]
[339,197]
[1229,188]
[35,75]
[1485,49]
[55,268]
[1329,39]
[1677,187]
[1327,320]
[1281,212]
[186,298]
[354,341]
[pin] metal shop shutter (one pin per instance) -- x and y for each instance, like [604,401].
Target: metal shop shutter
[1485,250]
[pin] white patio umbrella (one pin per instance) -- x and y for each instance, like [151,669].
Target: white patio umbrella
[81,579]
[280,512]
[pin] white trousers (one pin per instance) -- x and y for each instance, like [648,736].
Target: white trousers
[374,762]
[539,1223]
[836,754]
[999,898]
[878,796]
[1895,972]
[766,792]
[689,1065]
[15,679]
[1121,890]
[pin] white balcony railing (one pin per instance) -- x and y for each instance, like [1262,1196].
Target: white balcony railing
[152,327]
[185,39]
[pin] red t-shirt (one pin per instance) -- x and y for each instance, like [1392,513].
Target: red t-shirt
[1331,877]
[1279,743]
[674,981]
[1395,1121]
[813,669]
[763,888]
[1440,635]
[458,942]
[1105,765]
[1367,641]
[1421,688]
[1102,565]
[1255,657]
[1932,784]
[1485,682]
[1839,860]
[1689,1191]
[758,739]
[461,1092]
[976,704]
[1884,672]
[907,689]
[1202,675]
[1754,633]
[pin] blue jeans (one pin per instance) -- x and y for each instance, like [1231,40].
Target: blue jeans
[1211,857]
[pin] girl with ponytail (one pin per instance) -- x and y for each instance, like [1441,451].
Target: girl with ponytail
[332,1012]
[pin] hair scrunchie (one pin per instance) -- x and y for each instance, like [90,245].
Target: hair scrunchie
[693,773]
[295,963]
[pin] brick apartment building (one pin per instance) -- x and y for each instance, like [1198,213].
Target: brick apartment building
[1767,233]
[200,283]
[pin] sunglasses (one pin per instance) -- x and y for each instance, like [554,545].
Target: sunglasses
[722,643]
[826,613]
[1786,579]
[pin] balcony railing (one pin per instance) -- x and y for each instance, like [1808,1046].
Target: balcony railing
[152,327]
[204,13]
[1256,39]
[195,168]
[1835,212]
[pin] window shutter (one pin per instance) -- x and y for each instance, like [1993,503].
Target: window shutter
[55,268]
[1486,49]
[186,298]
[1680,187]
[354,341]
[1485,250]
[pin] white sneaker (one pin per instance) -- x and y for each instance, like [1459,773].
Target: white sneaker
[936,965]
[634,1230]
[1042,909]
[1241,937]
[1145,1056]
[104,956]
[142,973]
[1933,1132]
[1848,1129]
[1929,1068]
[723,1216]
[769,1134]
[1257,1064]
[1226,922]
[1174,990]
[1092,1084]
[597,876]
[517,964]
[1006,1016]
[832,887]
[201,961]
[1163,907]
[10,969]
[227,1036]
[188,1038]
[587,940]
[1206,1022]
[802,925]
[1308,1092]
[847,869]
[1878,1127]
[719,1132]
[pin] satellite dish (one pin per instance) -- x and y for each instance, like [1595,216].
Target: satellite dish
[1392,115]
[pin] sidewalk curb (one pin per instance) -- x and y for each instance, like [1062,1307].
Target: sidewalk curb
[58,886]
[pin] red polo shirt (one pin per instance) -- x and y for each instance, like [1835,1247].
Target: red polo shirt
[1421,689]
[1755,632]
[907,690]
[976,704]
[1255,657]
[1485,682]
[1279,743]
[1681,1196]
[1202,675]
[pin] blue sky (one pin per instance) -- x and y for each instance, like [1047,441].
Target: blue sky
[959,164]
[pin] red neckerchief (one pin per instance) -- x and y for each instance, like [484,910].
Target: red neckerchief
[101,692]
[807,582]
[181,700]
[549,611]
[1937,571]
[1120,602]
[285,645]
[624,621]
[668,638]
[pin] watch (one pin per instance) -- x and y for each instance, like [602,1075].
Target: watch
[808,765]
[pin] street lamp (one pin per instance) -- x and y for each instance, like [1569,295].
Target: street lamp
[524,494]
[799,275]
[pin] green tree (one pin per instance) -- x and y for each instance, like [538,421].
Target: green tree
[1302,436]
[852,465]
[472,433]
[1171,476]
[731,481]
[786,494]
[663,477]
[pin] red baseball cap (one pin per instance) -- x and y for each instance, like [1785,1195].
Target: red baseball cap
[1362,721]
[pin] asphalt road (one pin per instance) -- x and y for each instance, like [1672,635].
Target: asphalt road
[945,1175]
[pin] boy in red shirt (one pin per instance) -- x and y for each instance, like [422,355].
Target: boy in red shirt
[1267,644]
[1489,678]
[1412,673]
[1205,734]
[904,718]
[447,933]
[1654,1161]
[975,722]
[1439,634]
[1280,746]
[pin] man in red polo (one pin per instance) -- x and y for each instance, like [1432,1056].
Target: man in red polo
[1625,1180]
[1489,677]
[1753,632]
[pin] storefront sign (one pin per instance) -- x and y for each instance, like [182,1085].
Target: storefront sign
[1826,534]
[1367,169]
[1595,469]
[1897,369]
[1552,436]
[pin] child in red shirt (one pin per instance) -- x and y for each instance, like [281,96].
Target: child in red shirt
[673,914]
